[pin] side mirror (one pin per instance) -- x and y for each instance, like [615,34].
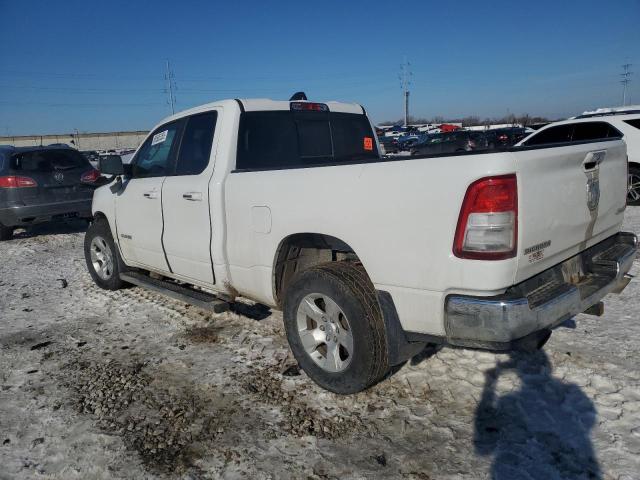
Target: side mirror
[111,165]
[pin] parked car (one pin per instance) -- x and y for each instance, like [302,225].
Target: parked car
[370,258]
[505,137]
[407,141]
[459,141]
[389,144]
[43,184]
[606,125]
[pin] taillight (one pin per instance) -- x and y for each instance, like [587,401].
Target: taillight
[488,222]
[90,177]
[14,181]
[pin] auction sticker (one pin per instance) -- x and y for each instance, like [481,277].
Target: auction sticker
[159,138]
[368,143]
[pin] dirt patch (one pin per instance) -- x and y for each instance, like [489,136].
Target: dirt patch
[162,424]
[206,334]
[298,419]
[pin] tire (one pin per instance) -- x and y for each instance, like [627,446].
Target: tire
[102,257]
[633,192]
[6,233]
[337,364]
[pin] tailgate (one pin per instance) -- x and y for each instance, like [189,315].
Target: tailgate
[569,198]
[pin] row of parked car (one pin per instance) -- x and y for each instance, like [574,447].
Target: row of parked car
[456,141]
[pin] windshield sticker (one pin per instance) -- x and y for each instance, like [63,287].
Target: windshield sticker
[368,144]
[159,138]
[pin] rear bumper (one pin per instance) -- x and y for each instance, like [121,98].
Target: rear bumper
[544,301]
[21,216]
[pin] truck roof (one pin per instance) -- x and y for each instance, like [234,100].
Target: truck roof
[265,104]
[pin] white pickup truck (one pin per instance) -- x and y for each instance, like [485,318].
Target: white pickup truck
[289,203]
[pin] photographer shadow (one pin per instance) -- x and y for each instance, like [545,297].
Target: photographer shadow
[540,430]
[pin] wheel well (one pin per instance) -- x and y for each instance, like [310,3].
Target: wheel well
[634,165]
[99,216]
[303,250]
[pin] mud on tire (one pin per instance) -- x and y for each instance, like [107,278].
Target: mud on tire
[348,285]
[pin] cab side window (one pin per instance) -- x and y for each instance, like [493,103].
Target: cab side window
[154,159]
[195,148]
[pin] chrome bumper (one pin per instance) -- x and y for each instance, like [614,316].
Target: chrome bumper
[544,301]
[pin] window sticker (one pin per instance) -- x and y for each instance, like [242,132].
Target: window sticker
[159,137]
[368,143]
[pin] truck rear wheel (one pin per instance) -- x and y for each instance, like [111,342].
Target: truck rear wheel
[335,327]
[6,233]
[101,255]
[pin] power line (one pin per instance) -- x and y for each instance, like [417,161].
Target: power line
[405,83]
[626,79]
[171,86]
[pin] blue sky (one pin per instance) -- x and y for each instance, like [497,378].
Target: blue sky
[99,65]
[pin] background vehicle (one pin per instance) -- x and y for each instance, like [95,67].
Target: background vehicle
[42,184]
[505,137]
[370,258]
[459,141]
[390,144]
[624,122]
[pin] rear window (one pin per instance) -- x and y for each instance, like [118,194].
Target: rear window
[634,123]
[285,139]
[48,161]
[576,132]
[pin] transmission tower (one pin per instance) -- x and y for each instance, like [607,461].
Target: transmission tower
[170,89]
[626,79]
[405,82]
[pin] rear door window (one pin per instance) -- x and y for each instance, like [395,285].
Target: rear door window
[285,139]
[195,148]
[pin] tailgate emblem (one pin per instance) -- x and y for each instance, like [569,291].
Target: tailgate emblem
[58,177]
[593,190]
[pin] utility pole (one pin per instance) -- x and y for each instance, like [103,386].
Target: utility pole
[626,79]
[171,86]
[405,83]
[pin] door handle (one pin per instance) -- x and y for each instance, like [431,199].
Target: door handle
[151,194]
[193,196]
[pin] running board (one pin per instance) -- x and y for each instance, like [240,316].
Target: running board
[206,301]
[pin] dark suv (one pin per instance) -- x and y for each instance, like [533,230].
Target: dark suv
[42,184]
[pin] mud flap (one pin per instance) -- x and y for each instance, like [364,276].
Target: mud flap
[399,348]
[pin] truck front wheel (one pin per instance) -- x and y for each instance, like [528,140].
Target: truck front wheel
[102,257]
[335,327]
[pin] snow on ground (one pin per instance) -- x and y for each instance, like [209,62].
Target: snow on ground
[131,385]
